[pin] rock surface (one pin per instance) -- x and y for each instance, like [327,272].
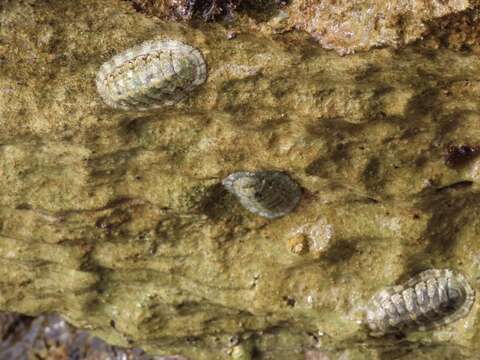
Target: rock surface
[345,26]
[49,337]
[348,26]
[118,220]
[187,9]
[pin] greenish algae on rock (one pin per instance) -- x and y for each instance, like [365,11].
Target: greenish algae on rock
[118,220]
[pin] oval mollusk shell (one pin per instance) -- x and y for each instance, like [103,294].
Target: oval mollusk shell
[267,193]
[430,299]
[151,75]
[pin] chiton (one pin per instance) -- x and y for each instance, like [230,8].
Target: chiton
[432,298]
[151,75]
[270,194]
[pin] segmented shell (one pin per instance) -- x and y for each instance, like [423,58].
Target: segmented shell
[151,75]
[267,193]
[431,299]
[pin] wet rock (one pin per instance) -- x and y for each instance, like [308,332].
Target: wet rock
[349,26]
[118,220]
[460,31]
[187,9]
[48,337]
[344,26]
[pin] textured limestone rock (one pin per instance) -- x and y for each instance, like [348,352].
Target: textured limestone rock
[348,26]
[115,217]
[344,26]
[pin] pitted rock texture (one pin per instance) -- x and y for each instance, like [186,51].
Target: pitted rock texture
[345,26]
[460,31]
[108,215]
[349,26]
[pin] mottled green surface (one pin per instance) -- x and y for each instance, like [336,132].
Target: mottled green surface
[118,221]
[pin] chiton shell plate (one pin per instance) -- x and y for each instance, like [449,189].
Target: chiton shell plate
[270,194]
[151,75]
[433,298]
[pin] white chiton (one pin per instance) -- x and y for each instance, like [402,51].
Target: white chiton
[151,75]
[267,193]
[431,299]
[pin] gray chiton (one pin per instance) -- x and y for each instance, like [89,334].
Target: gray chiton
[431,299]
[151,75]
[267,193]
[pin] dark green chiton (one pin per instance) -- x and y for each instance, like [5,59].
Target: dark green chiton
[270,194]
